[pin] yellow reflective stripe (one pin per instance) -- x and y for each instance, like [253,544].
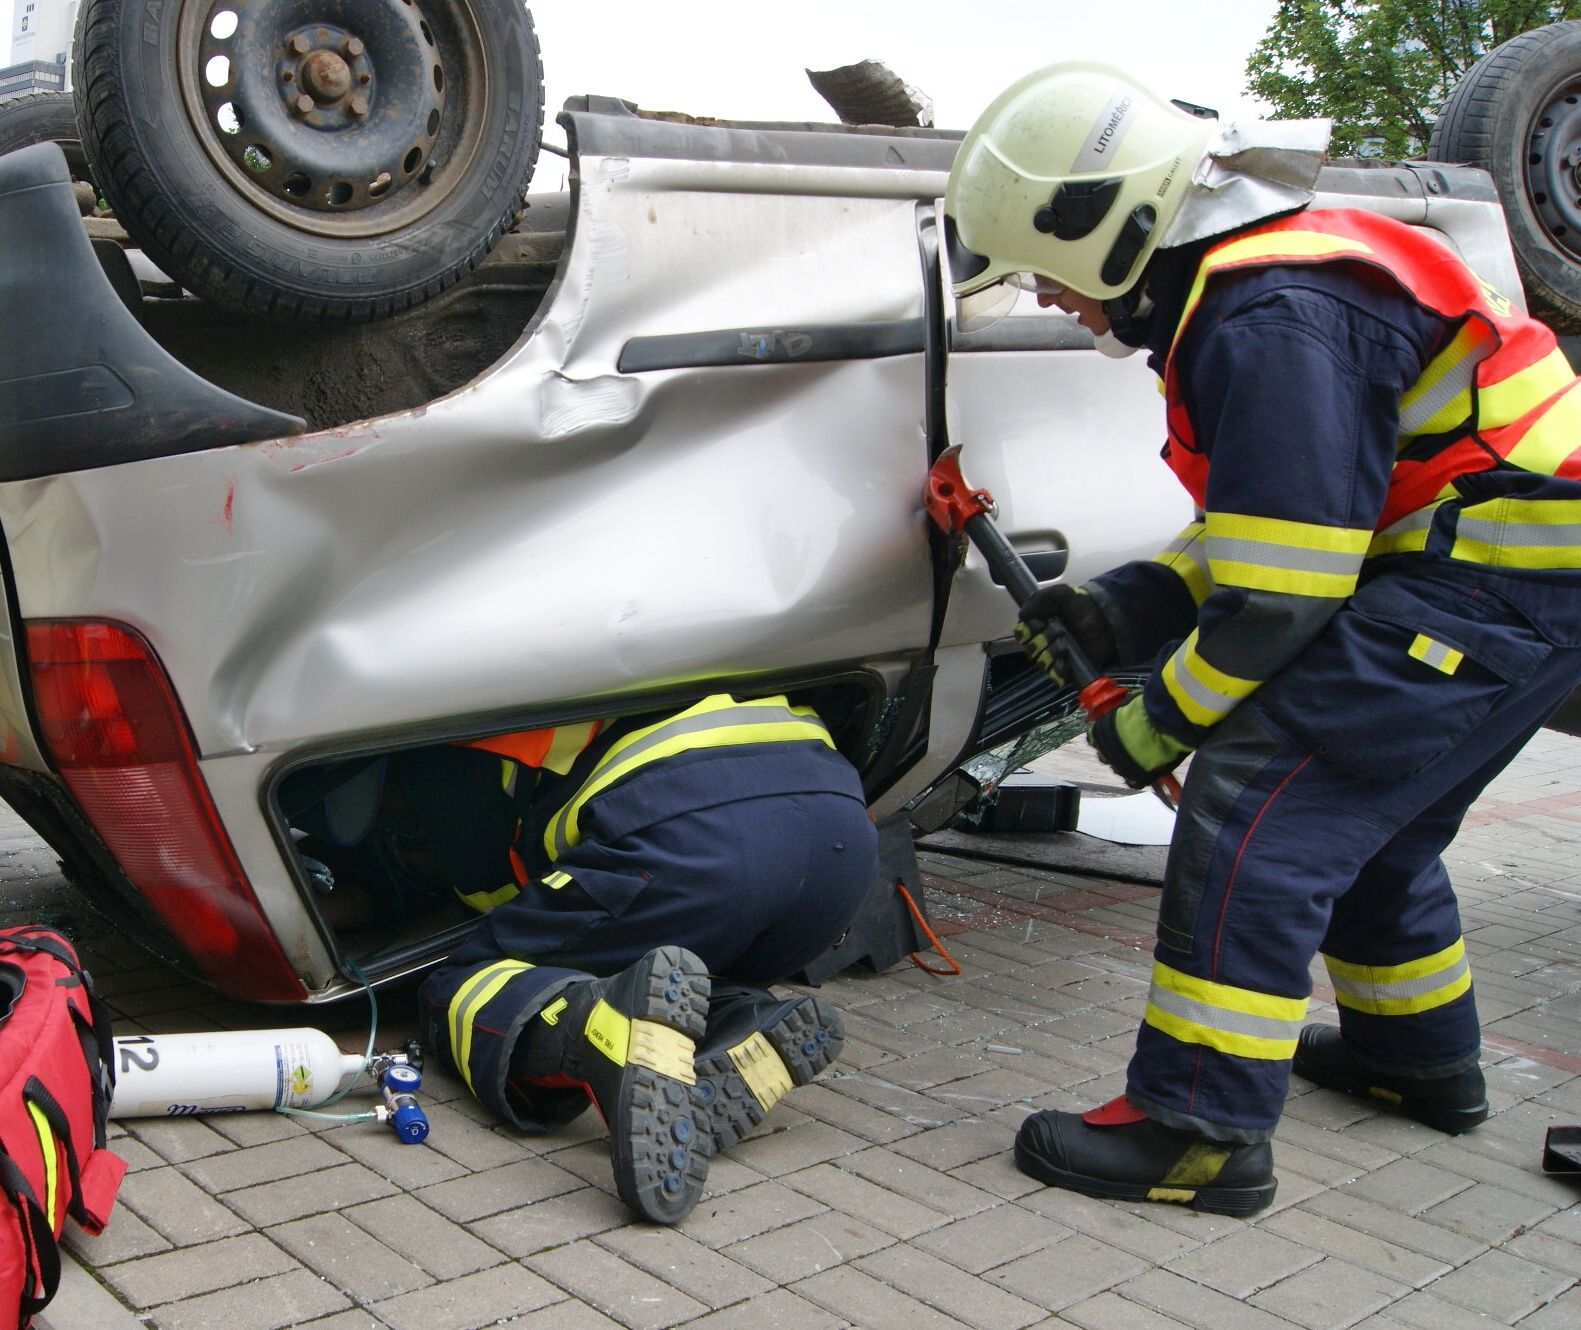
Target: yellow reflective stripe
[1401,990]
[555,880]
[1187,558]
[48,1149]
[1292,244]
[475,993]
[1232,1020]
[1552,438]
[1409,533]
[1443,658]
[1441,398]
[718,721]
[567,746]
[1520,533]
[1512,397]
[609,1031]
[1276,554]
[484,901]
[1205,695]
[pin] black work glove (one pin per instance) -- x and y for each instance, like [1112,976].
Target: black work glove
[1132,747]
[1077,613]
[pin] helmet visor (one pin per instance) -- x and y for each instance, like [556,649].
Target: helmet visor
[983,308]
[979,311]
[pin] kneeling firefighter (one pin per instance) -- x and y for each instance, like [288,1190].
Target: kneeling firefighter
[734,834]
[1378,606]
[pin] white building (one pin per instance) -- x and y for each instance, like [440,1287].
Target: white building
[41,33]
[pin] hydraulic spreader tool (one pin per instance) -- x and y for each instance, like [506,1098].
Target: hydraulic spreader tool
[955,508]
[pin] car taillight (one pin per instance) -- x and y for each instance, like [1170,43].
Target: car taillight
[119,738]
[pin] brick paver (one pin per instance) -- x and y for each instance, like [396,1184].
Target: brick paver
[885,1195]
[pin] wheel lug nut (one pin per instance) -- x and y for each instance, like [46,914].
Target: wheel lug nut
[353,47]
[302,104]
[299,45]
[359,105]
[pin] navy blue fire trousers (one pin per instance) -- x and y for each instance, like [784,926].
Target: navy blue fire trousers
[1313,820]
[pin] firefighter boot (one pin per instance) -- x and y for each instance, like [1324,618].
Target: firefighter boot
[757,1047]
[1118,1152]
[629,1042]
[1452,1104]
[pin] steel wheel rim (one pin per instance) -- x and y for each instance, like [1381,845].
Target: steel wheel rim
[1553,167]
[343,119]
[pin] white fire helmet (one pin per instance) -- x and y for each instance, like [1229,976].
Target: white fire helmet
[1073,173]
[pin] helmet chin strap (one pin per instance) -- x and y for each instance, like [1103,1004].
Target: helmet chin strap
[1130,319]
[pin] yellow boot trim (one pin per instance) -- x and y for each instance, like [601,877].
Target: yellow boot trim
[762,1069]
[1199,1166]
[641,1043]
[666,1051]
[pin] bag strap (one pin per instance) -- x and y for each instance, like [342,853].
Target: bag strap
[98,1051]
[38,1239]
[32,938]
[13,982]
[37,1096]
[97,1041]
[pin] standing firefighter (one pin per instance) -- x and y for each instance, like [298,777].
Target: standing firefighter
[1379,604]
[728,839]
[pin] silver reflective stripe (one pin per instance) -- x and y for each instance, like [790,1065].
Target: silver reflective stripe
[1220,1018]
[1206,697]
[1266,554]
[1186,547]
[1458,379]
[1367,991]
[632,755]
[1108,131]
[1437,655]
[1525,535]
[1420,520]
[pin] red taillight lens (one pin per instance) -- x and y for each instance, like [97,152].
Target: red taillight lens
[111,722]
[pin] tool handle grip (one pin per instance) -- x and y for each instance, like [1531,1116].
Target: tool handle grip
[1003,562]
[1010,569]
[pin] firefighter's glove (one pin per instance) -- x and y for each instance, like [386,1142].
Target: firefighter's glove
[1132,747]
[1053,613]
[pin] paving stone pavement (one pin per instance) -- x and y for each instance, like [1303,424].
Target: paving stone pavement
[884,1195]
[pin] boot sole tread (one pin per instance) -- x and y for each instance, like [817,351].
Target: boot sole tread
[659,1147]
[734,1109]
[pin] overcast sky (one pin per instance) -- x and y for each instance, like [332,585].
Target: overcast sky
[739,61]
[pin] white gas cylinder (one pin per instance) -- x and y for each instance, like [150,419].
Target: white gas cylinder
[226,1071]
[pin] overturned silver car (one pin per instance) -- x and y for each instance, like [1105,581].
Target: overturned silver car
[263,584]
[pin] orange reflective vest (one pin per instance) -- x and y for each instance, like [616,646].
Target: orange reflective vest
[1499,393]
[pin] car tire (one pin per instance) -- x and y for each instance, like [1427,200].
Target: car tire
[43,117]
[309,162]
[1516,113]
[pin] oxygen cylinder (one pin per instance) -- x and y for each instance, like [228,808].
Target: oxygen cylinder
[226,1071]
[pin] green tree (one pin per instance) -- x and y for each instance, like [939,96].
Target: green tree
[1382,68]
